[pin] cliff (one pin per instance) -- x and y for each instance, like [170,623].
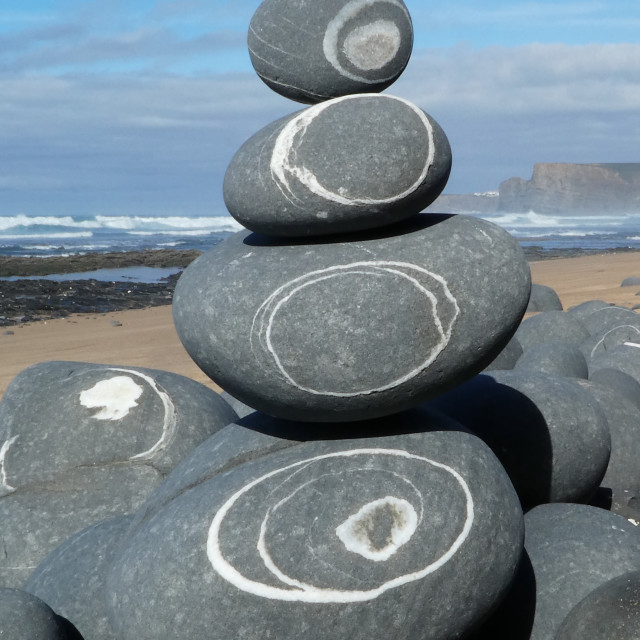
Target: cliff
[574,188]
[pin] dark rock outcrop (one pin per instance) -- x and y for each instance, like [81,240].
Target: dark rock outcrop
[574,188]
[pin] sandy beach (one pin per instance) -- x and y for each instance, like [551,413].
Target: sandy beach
[147,337]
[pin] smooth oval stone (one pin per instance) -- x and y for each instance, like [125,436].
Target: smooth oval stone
[610,612]
[610,317]
[556,359]
[551,326]
[327,539]
[570,550]
[82,442]
[543,298]
[609,338]
[574,549]
[507,358]
[71,578]
[586,308]
[258,434]
[549,433]
[625,358]
[623,418]
[311,51]
[631,281]
[352,163]
[621,382]
[345,330]
[23,616]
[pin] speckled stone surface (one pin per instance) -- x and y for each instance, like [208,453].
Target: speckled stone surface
[549,433]
[610,337]
[508,357]
[324,540]
[556,359]
[310,51]
[610,317]
[625,358]
[82,442]
[551,326]
[357,162]
[543,298]
[610,612]
[71,578]
[354,328]
[25,617]
[574,549]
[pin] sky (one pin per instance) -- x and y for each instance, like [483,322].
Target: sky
[136,107]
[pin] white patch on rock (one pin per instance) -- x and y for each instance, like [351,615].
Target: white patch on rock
[5,487]
[356,531]
[372,46]
[332,37]
[115,397]
[632,344]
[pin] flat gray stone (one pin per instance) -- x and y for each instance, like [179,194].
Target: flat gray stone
[631,281]
[258,434]
[625,358]
[584,309]
[620,381]
[71,578]
[608,338]
[83,442]
[345,538]
[556,359]
[575,549]
[352,163]
[543,298]
[551,326]
[623,418]
[549,433]
[610,317]
[310,51]
[25,617]
[570,550]
[609,612]
[350,330]
[507,358]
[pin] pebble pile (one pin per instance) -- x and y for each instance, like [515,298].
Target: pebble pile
[392,416]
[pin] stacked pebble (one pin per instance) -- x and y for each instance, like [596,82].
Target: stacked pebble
[353,502]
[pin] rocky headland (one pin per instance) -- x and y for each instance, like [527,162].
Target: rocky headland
[556,188]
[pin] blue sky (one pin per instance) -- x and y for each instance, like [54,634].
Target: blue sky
[136,107]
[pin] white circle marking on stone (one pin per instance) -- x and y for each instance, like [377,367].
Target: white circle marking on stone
[286,291]
[283,165]
[373,45]
[330,43]
[310,593]
[604,337]
[352,532]
[115,397]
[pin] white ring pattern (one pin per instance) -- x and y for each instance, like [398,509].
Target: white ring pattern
[304,592]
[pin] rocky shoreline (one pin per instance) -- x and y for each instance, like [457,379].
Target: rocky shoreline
[23,301]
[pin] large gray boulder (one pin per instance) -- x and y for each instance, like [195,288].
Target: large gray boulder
[543,298]
[549,433]
[82,442]
[355,328]
[71,578]
[25,617]
[357,162]
[413,536]
[310,51]
[551,326]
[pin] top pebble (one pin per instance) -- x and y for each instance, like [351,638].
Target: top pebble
[311,51]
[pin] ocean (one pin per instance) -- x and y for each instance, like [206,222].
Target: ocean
[38,236]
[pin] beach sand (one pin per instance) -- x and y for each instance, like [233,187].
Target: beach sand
[147,337]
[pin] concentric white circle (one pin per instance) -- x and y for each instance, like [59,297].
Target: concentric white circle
[299,591]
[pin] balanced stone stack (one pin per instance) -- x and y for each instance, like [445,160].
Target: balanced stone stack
[340,509]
